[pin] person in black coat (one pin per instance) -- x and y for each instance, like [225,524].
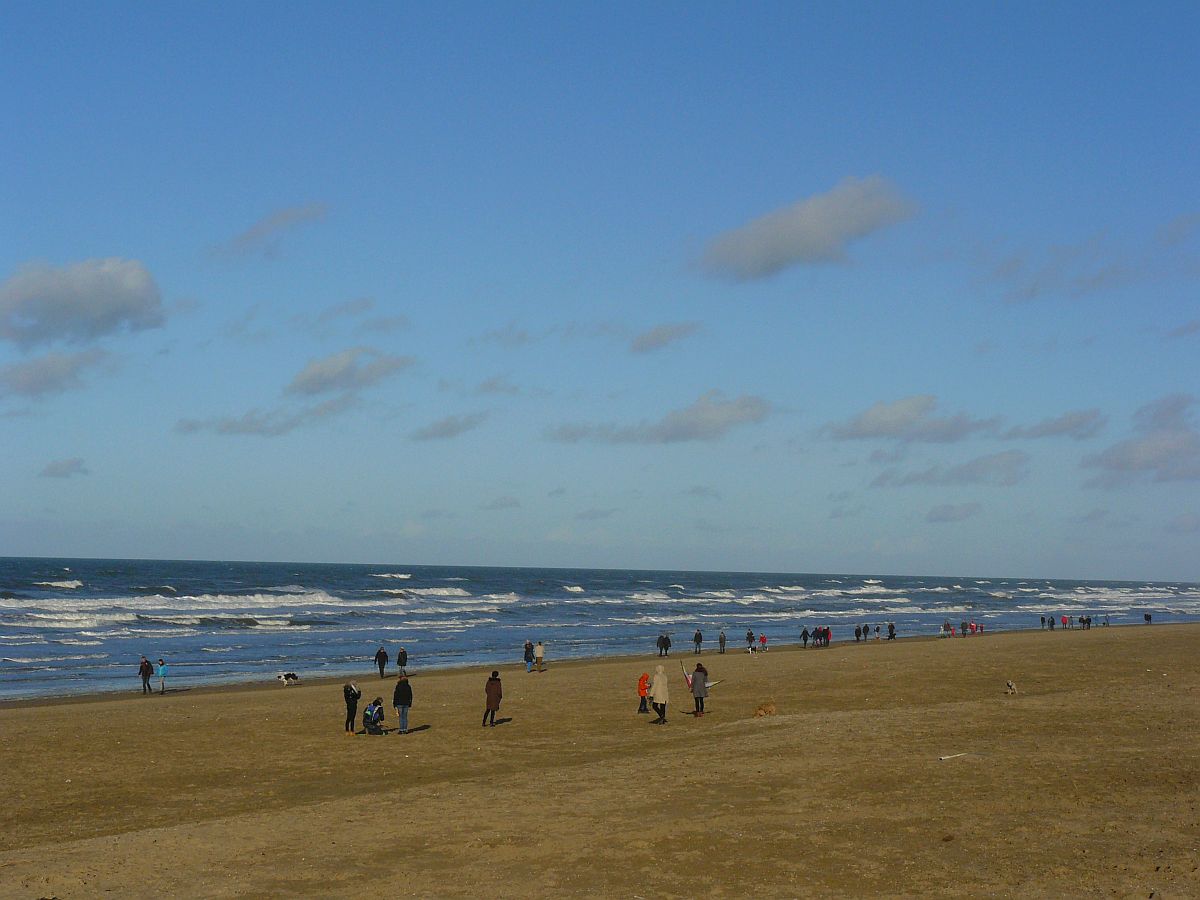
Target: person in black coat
[402,659]
[352,694]
[402,700]
[381,660]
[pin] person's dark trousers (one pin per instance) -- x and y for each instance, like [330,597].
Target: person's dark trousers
[697,648]
[146,689]
[381,667]
[661,710]
[351,714]
[489,714]
[642,705]
[699,704]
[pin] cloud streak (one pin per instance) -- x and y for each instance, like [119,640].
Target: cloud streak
[53,373]
[349,370]
[711,417]
[1166,448]
[64,468]
[662,335]
[1078,425]
[449,427]
[264,236]
[910,419]
[952,512]
[998,469]
[814,230]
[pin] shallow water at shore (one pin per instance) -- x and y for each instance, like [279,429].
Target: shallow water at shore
[75,626]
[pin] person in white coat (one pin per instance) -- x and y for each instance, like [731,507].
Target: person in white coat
[659,695]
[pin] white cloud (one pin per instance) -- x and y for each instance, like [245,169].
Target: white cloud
[1077,425]
[64,468]
[78,303]
[449,427]
[816,229]
[662,335]
[270,422]
[349,370]
[1167,448]
[910,419]
[1000,469]
[709,418]
[49,374]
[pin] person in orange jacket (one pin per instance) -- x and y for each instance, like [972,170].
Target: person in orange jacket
[643,691]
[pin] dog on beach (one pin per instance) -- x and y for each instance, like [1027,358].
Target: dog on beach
[1009,687]
[764,709]
[288,678]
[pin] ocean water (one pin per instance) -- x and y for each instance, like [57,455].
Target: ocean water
[73,626]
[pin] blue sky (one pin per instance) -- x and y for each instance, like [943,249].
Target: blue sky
[871,288]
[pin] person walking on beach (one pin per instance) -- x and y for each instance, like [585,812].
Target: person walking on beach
[857,633]
[750,640]
[146,670]
[659,695]
[891,631]
[643,691]
[381,660]
[721,642]
[529,656]
[352,694]
[762,642]
[539,656]
[697,639]
[161,671]
[402,660]
[699,688]
[1043,623]
[402,700]
[804,637]
[494,693]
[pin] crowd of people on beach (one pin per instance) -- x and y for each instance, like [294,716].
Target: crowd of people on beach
[1070,622]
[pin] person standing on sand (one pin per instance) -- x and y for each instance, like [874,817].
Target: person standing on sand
[529,656]
[494,693]
[539,656]
[699,688]
[762,643]
[643,691]
[352,694]
[697,639]
[381,660]
[146,670]
[721,642]
[402,700]
[750,639]
[161,671]
[857,632]
[402,660]
[804,637]
[659,695]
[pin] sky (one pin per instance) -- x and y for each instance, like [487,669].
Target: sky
[832,287]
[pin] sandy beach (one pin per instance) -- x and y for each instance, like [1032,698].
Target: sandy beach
[1083,783]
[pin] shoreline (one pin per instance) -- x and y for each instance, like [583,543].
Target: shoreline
[371,675]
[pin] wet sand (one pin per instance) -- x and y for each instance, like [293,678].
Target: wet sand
[1083,783]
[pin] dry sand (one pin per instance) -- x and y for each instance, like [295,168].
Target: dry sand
[1084,783]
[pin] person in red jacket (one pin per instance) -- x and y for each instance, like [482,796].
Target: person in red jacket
[643,692]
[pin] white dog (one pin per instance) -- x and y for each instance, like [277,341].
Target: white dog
[288,678]
[1009,687]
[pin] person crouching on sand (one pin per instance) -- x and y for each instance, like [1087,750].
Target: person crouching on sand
[352,694]
[373,717]
[699,688]
[659,695]
[494,692]
[643,691]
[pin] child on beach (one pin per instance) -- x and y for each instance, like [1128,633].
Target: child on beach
[762,643]
[643,691]
[161,670]
[373,717]
[352,694]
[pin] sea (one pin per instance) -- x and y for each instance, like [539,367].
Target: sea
[70,626]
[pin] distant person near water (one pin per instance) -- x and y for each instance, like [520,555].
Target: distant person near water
[381,660]
[539,656]
[891,631]
[659,695]
[664,645]
[804,637]
[352,694]
[699,688]
[161,671]
[529,656]
[643,692]
[721,642]
[402,660]
[494,692]
[762,642]
[697,639]
[402,701]
[146,671]
[750,639]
